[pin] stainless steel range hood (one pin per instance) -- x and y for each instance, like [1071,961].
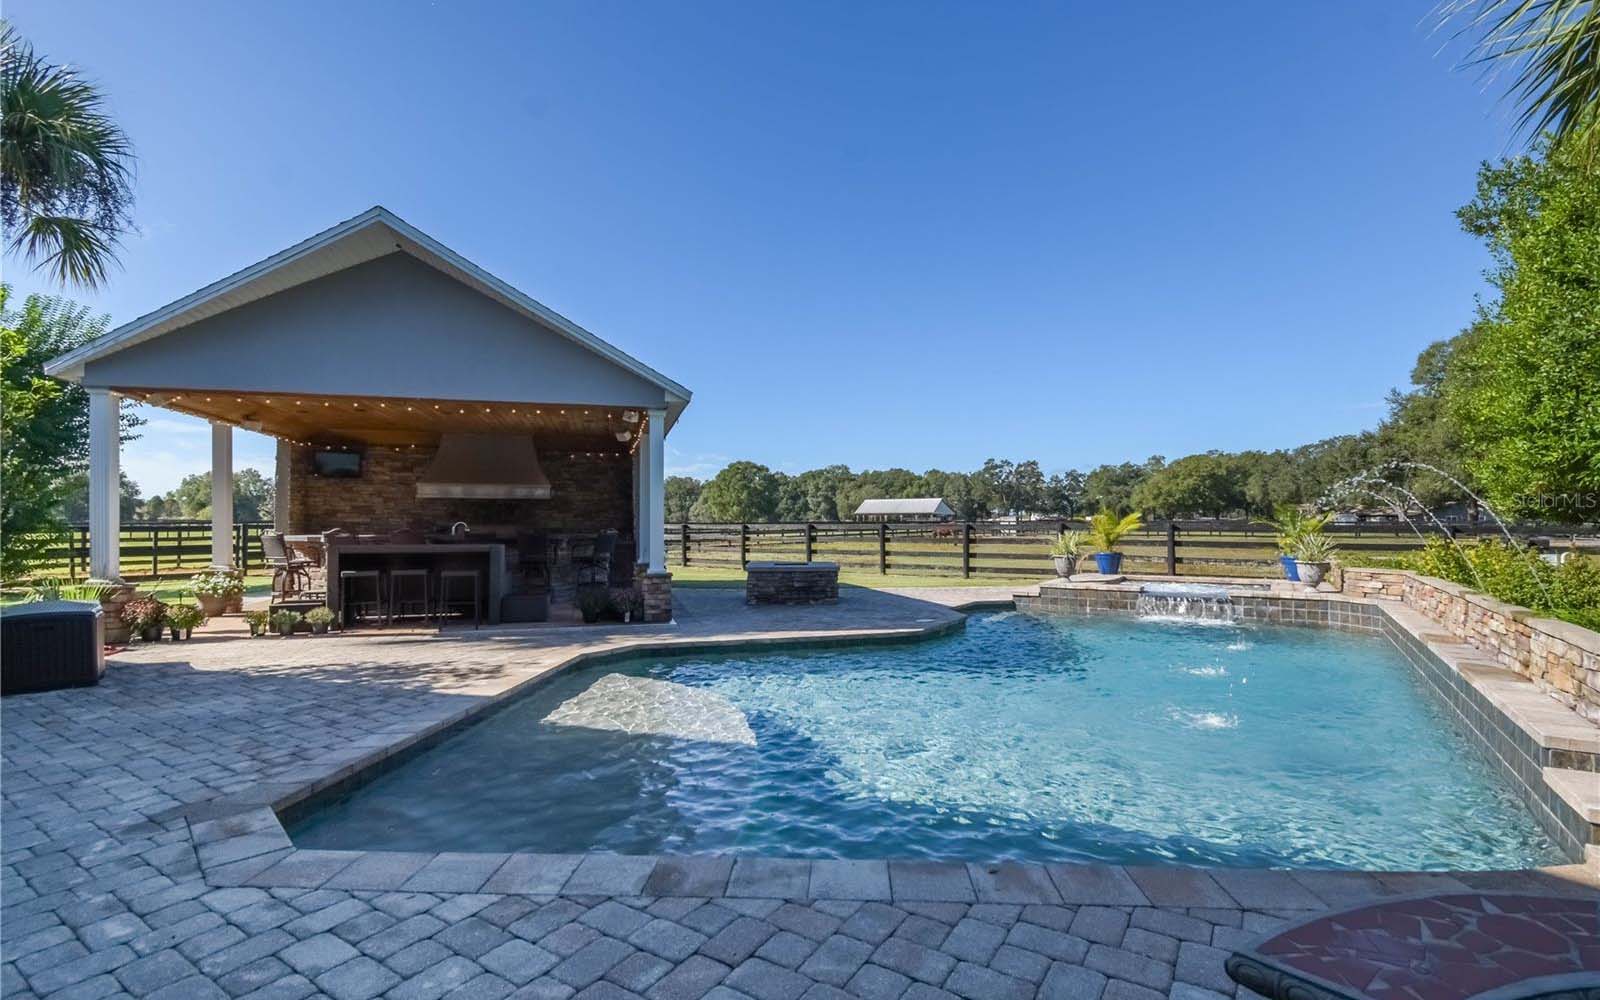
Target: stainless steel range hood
[485,467]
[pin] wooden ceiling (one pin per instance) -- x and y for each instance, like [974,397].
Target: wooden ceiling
[391,421]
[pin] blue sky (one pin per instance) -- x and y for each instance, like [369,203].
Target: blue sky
[911,234]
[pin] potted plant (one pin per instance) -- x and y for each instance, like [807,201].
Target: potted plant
[184,619]
[1290,523]
[283,622]
[257,620]
[1066,551]
[319,619]
[216,588]
[143,616]
[1106,530]
[1313,552]
[593,602]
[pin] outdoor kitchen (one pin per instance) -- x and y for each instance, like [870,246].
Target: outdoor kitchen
[538,523]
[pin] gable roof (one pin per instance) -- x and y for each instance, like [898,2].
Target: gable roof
[374,233]
[910,505]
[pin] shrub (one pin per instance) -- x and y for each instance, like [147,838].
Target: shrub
[320,616]
[1106,529]
[184,617]
[1070,545]
[218,583]
[282,620]
[1314,547]
[257,620]
[143,612]
[1570,590]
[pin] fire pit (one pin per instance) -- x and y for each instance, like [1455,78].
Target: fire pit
[791,583]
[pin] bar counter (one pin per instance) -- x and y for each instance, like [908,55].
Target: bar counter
[488,557]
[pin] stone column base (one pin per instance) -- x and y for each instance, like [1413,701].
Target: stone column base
[656,589]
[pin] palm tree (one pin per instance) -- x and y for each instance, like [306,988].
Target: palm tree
[1553,47]
[65,167]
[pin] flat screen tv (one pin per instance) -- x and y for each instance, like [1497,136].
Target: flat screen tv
[337,464]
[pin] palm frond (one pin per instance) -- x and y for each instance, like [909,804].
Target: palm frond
[73,251]
[66,168]
[1553,49]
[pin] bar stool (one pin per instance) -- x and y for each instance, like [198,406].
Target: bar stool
[450,582]
[360,594]
[408,588]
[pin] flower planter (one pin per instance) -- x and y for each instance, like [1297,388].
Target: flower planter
[1289,570]
[233,604]
[1310,573]
[319,628]
[285,631]
[1108,563]
[151,634]
[212,604]
[1064,565]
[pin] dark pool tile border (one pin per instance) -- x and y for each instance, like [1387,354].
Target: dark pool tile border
[1512,749]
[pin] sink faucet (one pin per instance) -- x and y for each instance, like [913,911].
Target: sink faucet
[459,524]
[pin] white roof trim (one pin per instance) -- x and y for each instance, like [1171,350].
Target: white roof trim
[422,246]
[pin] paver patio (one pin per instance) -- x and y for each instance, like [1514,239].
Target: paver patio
[109,790]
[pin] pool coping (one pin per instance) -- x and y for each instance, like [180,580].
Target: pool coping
[241,840]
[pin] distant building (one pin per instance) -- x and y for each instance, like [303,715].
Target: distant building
[914,509]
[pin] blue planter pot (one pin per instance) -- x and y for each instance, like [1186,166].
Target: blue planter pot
[1108,562]
[1289,572]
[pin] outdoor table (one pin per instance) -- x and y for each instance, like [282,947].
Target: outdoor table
[1504,945]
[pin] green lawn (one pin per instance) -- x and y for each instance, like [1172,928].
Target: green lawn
[166,588]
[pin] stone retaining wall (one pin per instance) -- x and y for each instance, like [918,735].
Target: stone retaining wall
[1562,658]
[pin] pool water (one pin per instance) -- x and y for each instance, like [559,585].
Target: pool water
[1023,737]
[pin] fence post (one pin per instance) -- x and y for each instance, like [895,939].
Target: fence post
[1172,548]
[966,548]
[744,546]
[683,556]
[155,551]
[883,548]
[809,529]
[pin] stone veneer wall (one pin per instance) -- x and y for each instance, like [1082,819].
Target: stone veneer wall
[1563,659]
[587,495]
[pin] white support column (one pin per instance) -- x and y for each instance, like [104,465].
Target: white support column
[641,492]
[105,485]
[655,480]
[280,487]
[221,496]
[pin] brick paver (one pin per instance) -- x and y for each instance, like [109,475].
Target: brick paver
[125,870]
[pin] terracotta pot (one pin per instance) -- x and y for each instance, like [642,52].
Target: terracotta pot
[212,604]
[234,605]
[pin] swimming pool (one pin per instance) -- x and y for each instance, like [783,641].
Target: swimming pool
[1023,737]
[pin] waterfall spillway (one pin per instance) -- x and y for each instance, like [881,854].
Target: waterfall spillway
[1189,601]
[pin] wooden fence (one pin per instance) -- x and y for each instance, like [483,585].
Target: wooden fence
[1005,549]
[155,548]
